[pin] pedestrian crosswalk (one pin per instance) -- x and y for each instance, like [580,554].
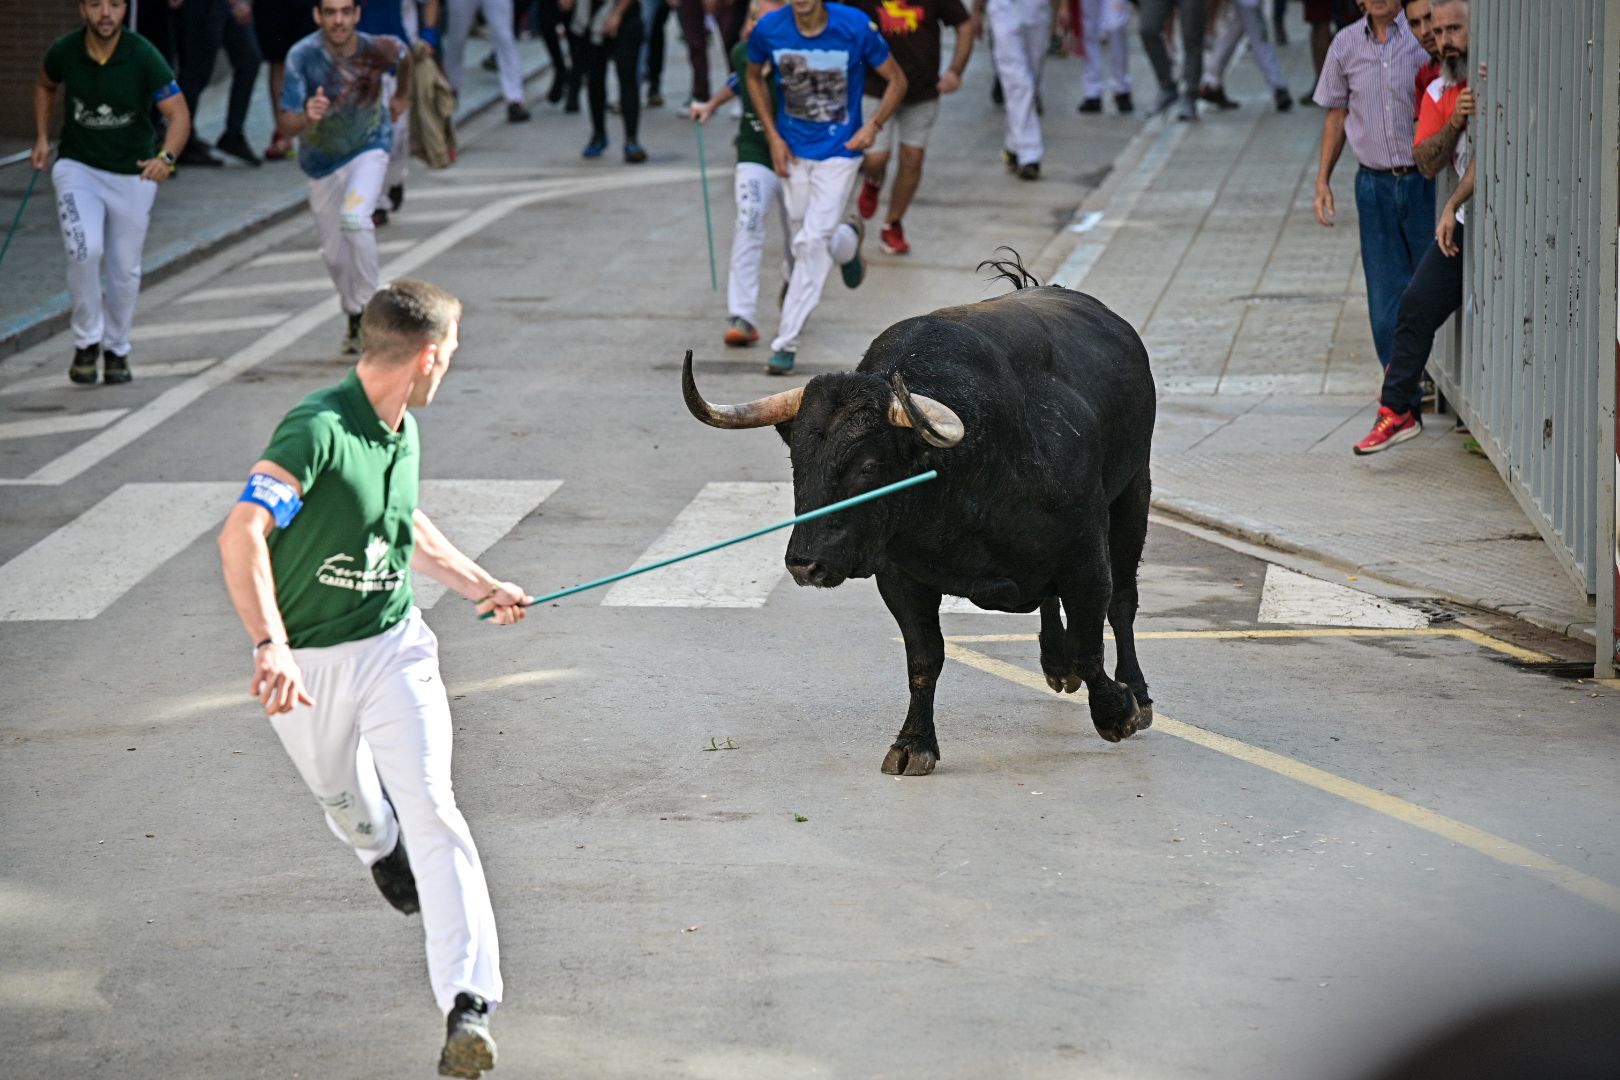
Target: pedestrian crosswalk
[740,576]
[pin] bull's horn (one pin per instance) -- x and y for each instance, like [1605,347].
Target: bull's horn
[766,411]
[935,422]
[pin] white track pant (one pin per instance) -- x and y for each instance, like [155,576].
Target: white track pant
[758,192]
[1249,23]
[814,194]
[1098,18]
[498,24]
[343,202]
[381,711]
[1019,33]
[104,218]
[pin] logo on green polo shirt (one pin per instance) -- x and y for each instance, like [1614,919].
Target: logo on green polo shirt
[101,118]
[376,577]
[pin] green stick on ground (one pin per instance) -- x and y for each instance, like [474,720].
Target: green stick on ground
[708,218]
[808,515]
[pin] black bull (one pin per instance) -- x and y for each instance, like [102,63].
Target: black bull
[1037,409]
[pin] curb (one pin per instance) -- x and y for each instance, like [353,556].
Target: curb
[55,314]
[1261,535]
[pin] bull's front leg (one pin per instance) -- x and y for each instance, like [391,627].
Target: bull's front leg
[915,608]
[1114,711]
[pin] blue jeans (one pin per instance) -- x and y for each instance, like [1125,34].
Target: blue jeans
[1397,227]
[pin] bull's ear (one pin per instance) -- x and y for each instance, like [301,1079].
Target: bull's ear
[785,429]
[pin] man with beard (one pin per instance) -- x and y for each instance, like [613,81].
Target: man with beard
[107,171]
[333,101]
[1436,290]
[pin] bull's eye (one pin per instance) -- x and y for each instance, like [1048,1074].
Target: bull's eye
[869,468]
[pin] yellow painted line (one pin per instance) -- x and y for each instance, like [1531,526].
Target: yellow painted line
[1488,844]
[1461,633]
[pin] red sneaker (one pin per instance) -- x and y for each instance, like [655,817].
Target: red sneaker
[1390,428]
[871,191]
[740,332]
[893,239]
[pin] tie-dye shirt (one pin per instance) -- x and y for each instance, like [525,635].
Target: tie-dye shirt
[357,119]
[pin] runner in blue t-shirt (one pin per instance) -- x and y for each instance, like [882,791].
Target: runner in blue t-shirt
[818,54]
[334,101]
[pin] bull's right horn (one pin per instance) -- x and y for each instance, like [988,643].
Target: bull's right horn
[933,420]
[766,411]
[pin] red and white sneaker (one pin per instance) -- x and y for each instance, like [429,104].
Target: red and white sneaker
[871,191]
[893,239]
[1390,428]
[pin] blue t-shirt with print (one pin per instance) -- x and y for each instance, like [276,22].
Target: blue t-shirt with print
[818,79]
[357,119]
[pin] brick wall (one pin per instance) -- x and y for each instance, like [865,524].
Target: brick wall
[29,28]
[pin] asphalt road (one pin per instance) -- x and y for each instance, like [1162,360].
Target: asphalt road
[1334,836]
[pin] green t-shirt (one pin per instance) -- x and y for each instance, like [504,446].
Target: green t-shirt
[107,121]
[342,565]
[751,144]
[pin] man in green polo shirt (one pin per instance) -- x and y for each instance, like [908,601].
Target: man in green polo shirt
[107,172]
[318,554]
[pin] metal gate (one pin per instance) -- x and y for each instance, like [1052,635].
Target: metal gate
[1532,370]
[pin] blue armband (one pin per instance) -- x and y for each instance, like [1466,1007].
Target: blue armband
[430,34]
[166,91]
[276,496]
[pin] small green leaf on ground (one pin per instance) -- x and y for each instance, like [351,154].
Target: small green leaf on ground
[714,744]
[800,817]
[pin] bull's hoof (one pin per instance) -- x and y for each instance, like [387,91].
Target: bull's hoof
[903,760]
[1119,720]
[1063,682]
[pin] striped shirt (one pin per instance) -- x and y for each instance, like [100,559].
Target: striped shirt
[1375,83]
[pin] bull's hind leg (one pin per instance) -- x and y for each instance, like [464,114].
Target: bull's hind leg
[1127,533]
[1060,667]
[915,607]
[1086,599]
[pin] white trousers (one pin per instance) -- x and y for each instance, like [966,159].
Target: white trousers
[343,202]
[399,154]
[1249,23]
[1020,31]
[381,712]
[498,24]
[758,191]
[1117,67]
[814,194]
[104,218]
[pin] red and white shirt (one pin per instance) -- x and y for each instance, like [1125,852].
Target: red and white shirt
[1435,107]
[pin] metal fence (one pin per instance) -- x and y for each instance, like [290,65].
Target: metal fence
[1532,368]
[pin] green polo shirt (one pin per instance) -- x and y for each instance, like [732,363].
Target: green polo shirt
[342,565]
[107,122]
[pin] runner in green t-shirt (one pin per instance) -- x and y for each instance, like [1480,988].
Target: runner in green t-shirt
[757,189]
[107,171]
[318,554]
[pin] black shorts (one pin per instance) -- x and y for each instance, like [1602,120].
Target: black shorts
[281,24]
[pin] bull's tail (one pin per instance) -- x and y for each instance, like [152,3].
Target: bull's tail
[1011,268]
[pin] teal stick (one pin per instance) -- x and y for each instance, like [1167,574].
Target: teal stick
[708,218]
[808,515]
[32,180]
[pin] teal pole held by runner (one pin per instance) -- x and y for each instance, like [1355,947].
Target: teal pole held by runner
[32,180]
[708,219]
[808,515]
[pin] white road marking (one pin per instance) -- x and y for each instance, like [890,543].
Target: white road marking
[56,425]
[293,258]
[961,605]
[1290,597]
[288,329]
[248,292]
[1118,210]
[58,379]
[153,331]
[52,989]
[475,514]
[741,576]
[427,217]
[79,570]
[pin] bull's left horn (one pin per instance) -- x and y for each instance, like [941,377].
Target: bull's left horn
[764,412]
[934,421]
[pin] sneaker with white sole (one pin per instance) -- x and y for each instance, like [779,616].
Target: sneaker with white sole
[1389,429]
[469,1050]
[351,337]
[854,271]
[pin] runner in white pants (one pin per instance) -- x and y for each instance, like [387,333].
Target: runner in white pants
[1020,31]
[318,554]
[498,22]
[818,55]
[333,101]
[107,172]
[1248,22]
[1112,74]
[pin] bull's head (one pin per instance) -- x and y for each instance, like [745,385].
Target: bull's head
[846,433]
